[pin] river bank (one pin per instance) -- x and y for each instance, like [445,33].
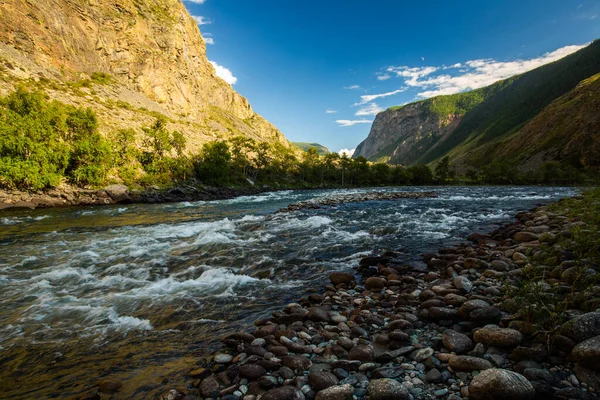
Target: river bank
[70,196]
[464,326]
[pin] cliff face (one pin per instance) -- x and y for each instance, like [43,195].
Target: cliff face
[152,50]
[400,136]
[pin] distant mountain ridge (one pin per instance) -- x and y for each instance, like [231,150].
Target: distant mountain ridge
[472,127]
[322,150]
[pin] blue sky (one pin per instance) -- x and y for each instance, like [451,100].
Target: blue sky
[321,69]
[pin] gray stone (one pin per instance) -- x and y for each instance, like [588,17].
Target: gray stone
[340,392]
[583,327]
[456,341]
[468,363]
[587,353]
[387,389]
[500,384]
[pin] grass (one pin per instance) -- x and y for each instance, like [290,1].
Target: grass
[545,291]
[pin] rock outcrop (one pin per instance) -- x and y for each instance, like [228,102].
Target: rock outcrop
[127,60]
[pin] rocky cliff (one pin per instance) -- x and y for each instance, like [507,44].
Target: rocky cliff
[400,135]
[128,60]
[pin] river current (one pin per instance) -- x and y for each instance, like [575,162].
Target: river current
[140,293]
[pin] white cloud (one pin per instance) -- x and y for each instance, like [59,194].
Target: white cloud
[209,40]
[348,152]
[369,109]
[472,74]
[383,77]
[370,97]
[346,122]
[201,20]
[330,111]
[352,87]
[196,1]
[224,73]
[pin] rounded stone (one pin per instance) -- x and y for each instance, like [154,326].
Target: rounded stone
[493,335]
[322,380]
[582,327]
[340,392]
[587,353]
[252,371]
[223,358]
[456,341]
[500,384]
[468,363]
[387,389]
[284,393]
[374,283]
[341,277]
[362,352]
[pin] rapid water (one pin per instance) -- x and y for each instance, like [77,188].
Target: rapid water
[140,293]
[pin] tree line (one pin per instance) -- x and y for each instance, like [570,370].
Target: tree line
[44,142]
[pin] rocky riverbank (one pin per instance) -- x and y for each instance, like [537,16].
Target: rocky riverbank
[452,330]
[354,198]
[66,196]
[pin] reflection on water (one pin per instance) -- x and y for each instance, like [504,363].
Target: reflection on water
[140,293]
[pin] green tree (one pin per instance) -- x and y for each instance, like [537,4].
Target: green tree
[442,170]
[421,175]
[213,164]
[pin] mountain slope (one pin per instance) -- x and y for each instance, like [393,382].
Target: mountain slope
[567,130]
[415,134]
[322,150]
[128,60]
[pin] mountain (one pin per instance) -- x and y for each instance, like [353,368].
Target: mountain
[470,127]
[129,60]
[322,150]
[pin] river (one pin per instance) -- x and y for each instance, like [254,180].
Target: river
[140,293]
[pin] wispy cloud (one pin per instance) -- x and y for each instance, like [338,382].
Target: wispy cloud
[471,74]
[348,152]
[224,73]
[201,20]
[347,122]
[195,1]
[208,39]
[364,99]
[330,111]
[352,87]
[383,77]
[369,109]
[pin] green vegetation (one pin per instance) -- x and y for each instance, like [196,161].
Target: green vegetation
[511,103]
[44,143]
[549,287]
[322,150]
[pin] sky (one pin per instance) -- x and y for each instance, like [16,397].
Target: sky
[320,70]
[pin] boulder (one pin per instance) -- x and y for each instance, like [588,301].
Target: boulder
[468,363]
[296,363]
[582,327]
[341,392]
[252,371]
[500,384]
[456,341]
[525,237]
[387,389]
[362,352]
[322,380]
[284,393]
[374,283]
[587,353]
[337,278]
[118,193]
[493,335]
